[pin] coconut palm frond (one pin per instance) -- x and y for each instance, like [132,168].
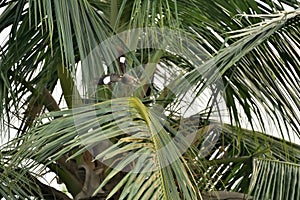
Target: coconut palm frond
[275,180]
[224,156]
[26,67]
[122,134]
[14,183]
[254,73]
[171,138]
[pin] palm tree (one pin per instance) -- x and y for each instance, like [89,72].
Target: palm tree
[150,99]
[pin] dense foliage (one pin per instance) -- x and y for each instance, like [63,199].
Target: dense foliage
[152,99]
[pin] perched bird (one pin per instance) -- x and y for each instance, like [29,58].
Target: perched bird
[119,85]
[114,78]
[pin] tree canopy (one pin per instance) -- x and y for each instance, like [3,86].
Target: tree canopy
[150,99]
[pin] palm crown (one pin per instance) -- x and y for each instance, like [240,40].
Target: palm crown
[150,99]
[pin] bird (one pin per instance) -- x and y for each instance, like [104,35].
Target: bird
[122,84]
[119,85]
[114,78]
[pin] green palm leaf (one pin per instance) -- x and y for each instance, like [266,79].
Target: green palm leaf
[251,62]
[137,146]
[270,176]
